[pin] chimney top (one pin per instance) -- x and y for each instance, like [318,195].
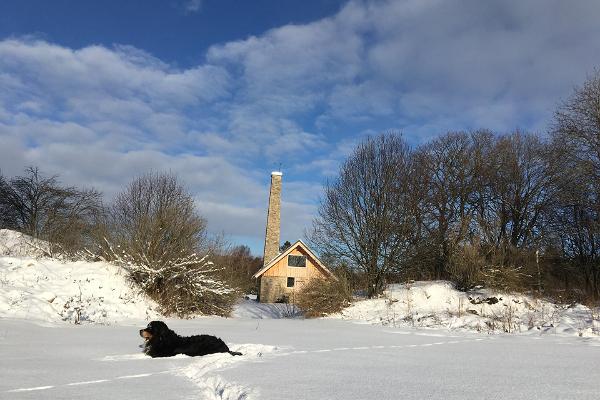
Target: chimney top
[277,173]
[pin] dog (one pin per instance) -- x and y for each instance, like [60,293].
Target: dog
[160,341]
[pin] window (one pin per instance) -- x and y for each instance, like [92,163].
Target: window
[297,261]
[290,281]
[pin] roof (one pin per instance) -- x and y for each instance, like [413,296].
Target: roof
[301,244]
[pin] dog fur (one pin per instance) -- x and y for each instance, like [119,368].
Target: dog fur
[160,341]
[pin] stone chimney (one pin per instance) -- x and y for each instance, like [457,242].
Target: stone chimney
[272,235]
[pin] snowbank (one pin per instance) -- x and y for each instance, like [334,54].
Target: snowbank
[437,304]
[17,244]
[50,290]
[77,292]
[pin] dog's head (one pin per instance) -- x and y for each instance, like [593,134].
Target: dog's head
[155,329]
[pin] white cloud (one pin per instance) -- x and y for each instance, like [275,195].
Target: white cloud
[420,63]
[55,73]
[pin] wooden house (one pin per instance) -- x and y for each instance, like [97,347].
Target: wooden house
[283,276]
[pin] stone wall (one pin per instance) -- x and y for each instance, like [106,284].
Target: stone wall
[272,288]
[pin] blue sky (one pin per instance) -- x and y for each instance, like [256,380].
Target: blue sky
[223,92]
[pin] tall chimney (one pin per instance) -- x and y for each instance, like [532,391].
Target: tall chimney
[273,219]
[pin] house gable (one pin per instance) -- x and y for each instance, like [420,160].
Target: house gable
[279,281]
[280,265]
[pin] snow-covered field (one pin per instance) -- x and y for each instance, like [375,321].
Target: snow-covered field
[295,359]
[423,341]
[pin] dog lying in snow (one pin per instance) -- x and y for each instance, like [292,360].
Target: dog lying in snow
[160,341]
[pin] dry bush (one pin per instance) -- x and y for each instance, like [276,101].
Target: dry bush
[180,297]
[465,267]
[320,297]
[420,266]
[183,287]
[510,269]
[505,268]
[508,278]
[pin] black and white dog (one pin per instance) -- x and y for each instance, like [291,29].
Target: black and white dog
[160,341]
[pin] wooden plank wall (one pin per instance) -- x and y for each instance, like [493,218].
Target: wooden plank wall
[304,273]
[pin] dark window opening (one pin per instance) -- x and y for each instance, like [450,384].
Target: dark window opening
[297,261]
[290,281]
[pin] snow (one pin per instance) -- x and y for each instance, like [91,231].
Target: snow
[295,359]
[70,330]
[17,244]
[249,308]
[51,290]
[439,305]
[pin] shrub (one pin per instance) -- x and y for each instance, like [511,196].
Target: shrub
[156,234]
[465,267]
[182,287]
[320,297]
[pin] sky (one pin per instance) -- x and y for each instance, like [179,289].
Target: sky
[221,93]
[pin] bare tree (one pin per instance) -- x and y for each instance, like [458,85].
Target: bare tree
[43,208]
[577,123]
[367,214]
[154,220]
[9,217]
[576,133]
[520,189]
[35,199]
[576,226]
[238,265]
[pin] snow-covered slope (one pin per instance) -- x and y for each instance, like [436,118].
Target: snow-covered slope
[46,289]
[17,244]
[438,304]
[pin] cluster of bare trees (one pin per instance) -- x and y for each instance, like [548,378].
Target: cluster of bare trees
[43,208]
[238,265]
[518,210]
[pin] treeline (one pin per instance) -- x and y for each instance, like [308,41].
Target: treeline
[515,211]
[152,229]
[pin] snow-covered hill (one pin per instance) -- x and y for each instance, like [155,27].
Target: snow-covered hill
[40,288]
[439,305]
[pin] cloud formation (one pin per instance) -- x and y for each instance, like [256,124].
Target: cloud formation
[299,95]
[192,6]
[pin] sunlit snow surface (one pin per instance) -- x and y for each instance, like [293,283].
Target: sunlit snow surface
[295,359]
